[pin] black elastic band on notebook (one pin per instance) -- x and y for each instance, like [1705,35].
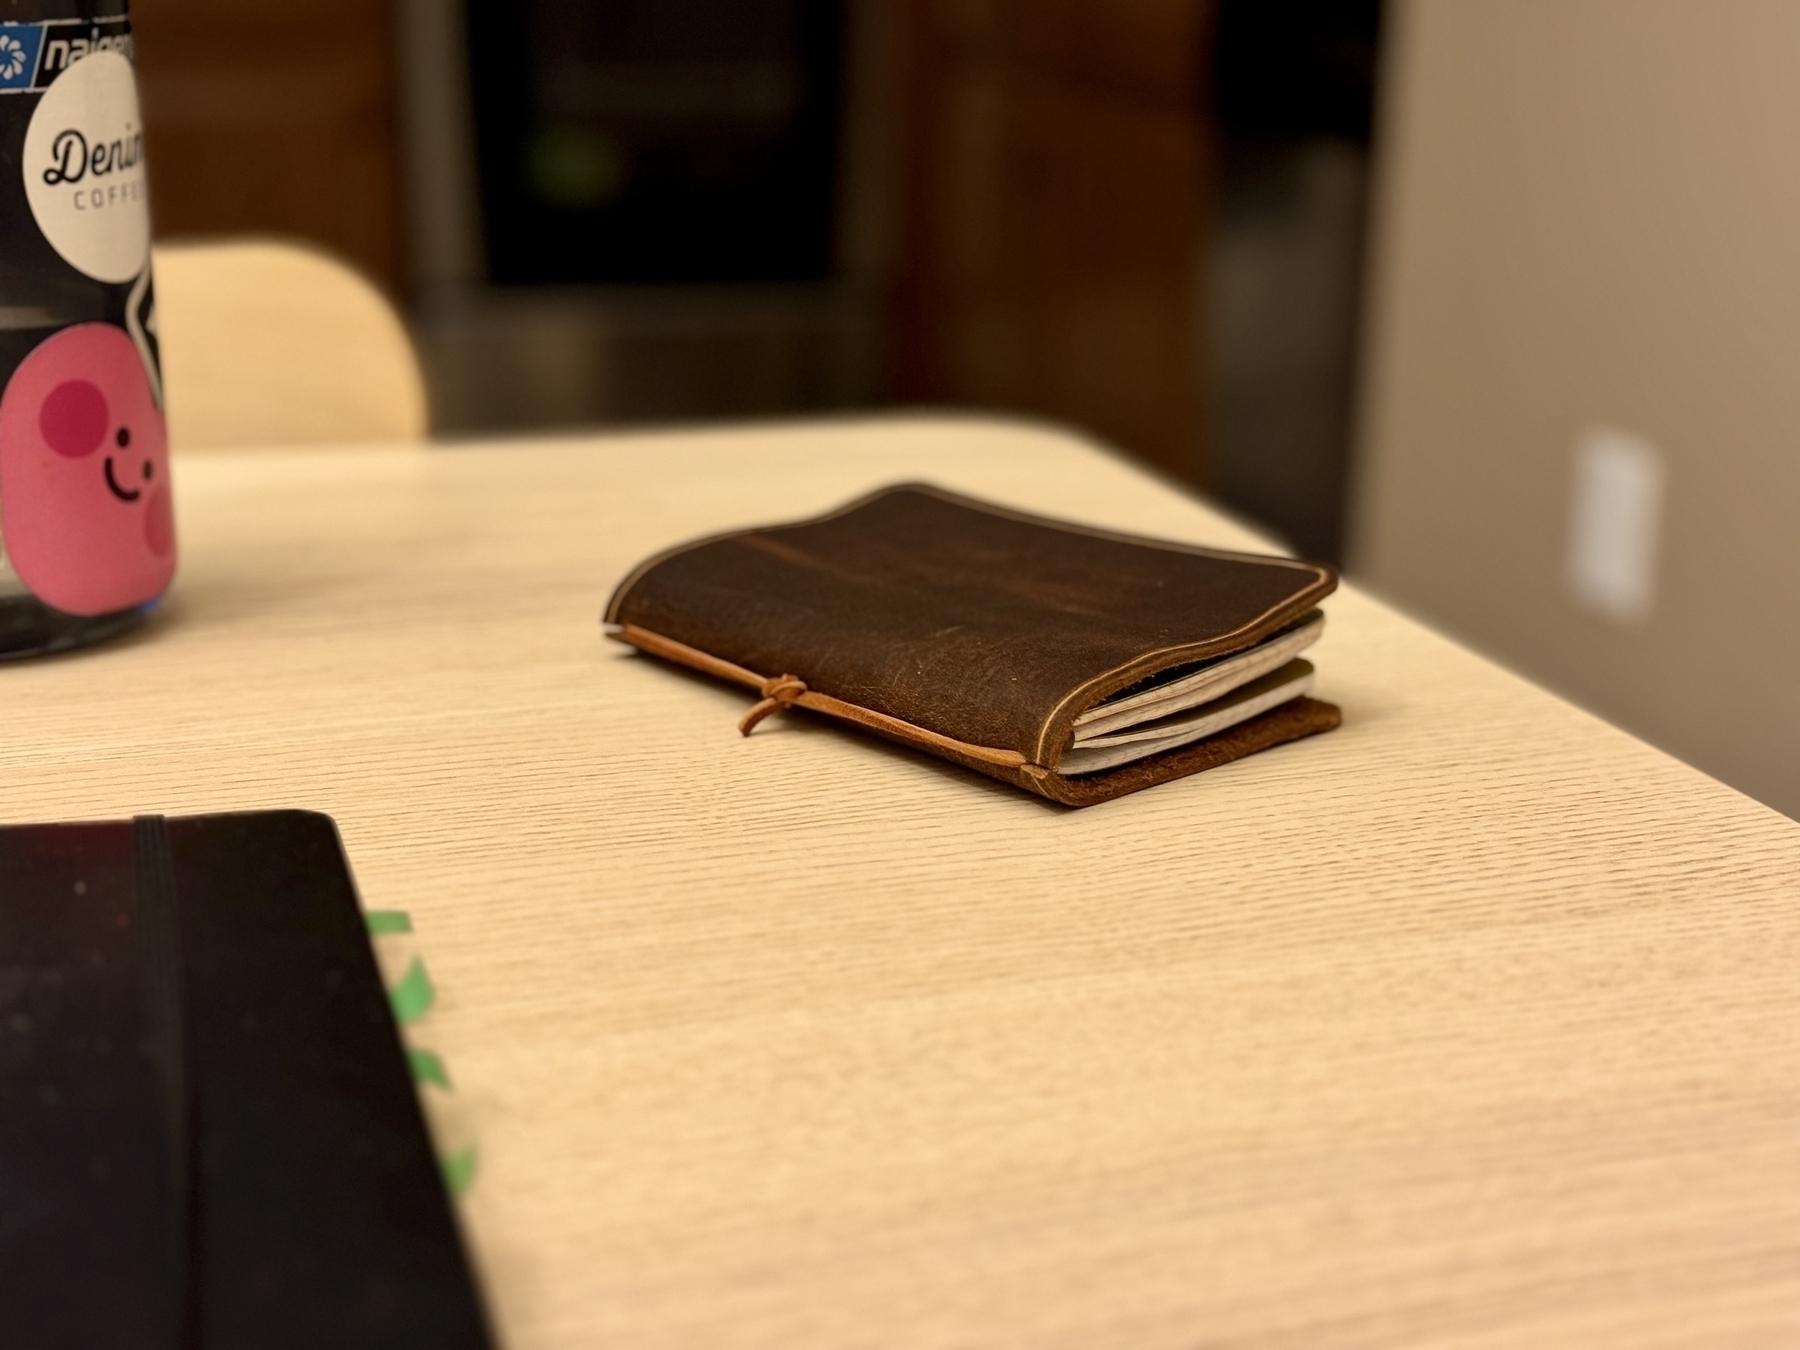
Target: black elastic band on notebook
[159,945]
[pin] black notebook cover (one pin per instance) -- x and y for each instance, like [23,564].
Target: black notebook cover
[209,1136]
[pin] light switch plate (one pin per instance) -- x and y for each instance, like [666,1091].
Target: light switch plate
[1615,521]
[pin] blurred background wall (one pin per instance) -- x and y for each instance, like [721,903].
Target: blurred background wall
[1581,438]
[1510,334]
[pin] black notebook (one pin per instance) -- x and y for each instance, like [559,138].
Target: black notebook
[209,1136]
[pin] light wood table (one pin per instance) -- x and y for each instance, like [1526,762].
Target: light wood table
[1474,1024]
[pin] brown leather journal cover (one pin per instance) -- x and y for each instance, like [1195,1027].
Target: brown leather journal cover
[970,630]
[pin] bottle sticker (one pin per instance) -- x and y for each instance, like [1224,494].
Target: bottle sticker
[20,44]
[84,168]
[84,474]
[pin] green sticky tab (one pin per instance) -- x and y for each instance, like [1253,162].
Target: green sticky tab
[386,922]
[427,1067]
[459,1171]
[413,996]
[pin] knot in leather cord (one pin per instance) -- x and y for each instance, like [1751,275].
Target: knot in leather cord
[779,694]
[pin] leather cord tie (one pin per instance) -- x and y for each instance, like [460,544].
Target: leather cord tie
[779,694]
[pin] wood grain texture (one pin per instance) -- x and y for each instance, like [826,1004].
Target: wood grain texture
[1056,171]
[276,117]
[1473,1024]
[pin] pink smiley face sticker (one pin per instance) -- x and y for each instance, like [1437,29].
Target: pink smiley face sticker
[84,475]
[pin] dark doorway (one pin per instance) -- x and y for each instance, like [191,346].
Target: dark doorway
[1295,90]
[662,142]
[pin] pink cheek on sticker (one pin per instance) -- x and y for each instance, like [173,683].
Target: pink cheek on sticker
[159,523]
[84,475]
[74,419]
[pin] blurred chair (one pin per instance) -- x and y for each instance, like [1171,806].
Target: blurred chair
[269,343]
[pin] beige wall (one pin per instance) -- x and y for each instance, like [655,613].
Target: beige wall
[1589,215]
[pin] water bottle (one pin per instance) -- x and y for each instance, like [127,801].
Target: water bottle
[87,534]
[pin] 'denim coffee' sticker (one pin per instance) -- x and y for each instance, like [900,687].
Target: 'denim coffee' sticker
[84,169]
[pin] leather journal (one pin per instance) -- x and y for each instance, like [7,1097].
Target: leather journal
[1075,663]
[209,1134]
